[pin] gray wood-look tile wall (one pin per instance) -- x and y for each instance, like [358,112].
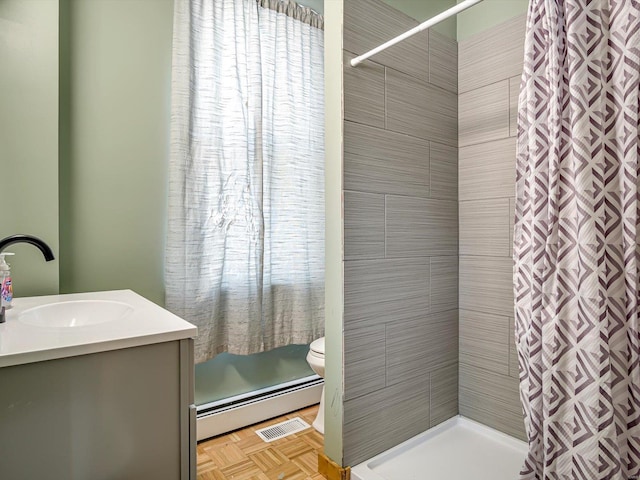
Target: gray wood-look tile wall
[401,231]
[489,68]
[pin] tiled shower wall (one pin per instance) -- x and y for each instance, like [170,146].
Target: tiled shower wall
[490,65]
[401,232]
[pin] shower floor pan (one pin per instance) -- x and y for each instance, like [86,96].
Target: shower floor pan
[458,449]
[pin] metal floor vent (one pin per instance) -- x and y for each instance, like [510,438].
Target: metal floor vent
[283,429]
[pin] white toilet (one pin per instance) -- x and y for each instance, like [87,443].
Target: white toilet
[315,357]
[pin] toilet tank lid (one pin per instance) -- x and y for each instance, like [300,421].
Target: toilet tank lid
[317,345]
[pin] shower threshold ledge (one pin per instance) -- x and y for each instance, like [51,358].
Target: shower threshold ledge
[457,449]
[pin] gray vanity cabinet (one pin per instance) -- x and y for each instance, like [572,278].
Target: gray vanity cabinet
[124,414]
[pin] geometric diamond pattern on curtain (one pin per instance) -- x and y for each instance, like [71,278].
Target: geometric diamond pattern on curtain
[576,256]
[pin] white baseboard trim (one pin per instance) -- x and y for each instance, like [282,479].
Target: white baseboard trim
[217,423]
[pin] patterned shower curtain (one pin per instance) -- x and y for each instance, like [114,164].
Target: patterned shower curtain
[576,240]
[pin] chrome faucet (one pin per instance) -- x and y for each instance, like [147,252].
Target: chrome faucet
[30,239]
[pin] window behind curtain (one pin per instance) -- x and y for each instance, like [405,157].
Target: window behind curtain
[245,242]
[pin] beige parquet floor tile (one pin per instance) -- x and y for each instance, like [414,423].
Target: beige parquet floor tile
[242,455]
[268,459]
[226,455]
[252,444]
[294,447]
[243,470]
[211,475]
[308,462]
[288,471]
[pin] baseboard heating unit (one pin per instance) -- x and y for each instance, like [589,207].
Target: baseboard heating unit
[237,412]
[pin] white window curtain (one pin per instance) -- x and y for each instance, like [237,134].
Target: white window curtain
[245,239]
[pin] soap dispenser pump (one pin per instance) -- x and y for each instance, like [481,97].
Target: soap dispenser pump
[6,288]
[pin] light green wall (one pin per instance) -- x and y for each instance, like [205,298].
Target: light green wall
[229,375]
[422,10]
[115,104]
[487,14]
[334,221]
[474,20]
[316,5]
[115,163]
[29,138]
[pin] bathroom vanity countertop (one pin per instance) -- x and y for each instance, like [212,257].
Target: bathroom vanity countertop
[145,324]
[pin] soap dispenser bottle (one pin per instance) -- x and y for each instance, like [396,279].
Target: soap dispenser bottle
[6,288]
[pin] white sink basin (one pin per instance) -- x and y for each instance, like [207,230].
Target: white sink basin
[77,313]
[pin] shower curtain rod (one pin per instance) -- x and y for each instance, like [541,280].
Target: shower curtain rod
[423,26]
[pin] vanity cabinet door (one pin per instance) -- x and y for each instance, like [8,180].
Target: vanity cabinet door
[110,415]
